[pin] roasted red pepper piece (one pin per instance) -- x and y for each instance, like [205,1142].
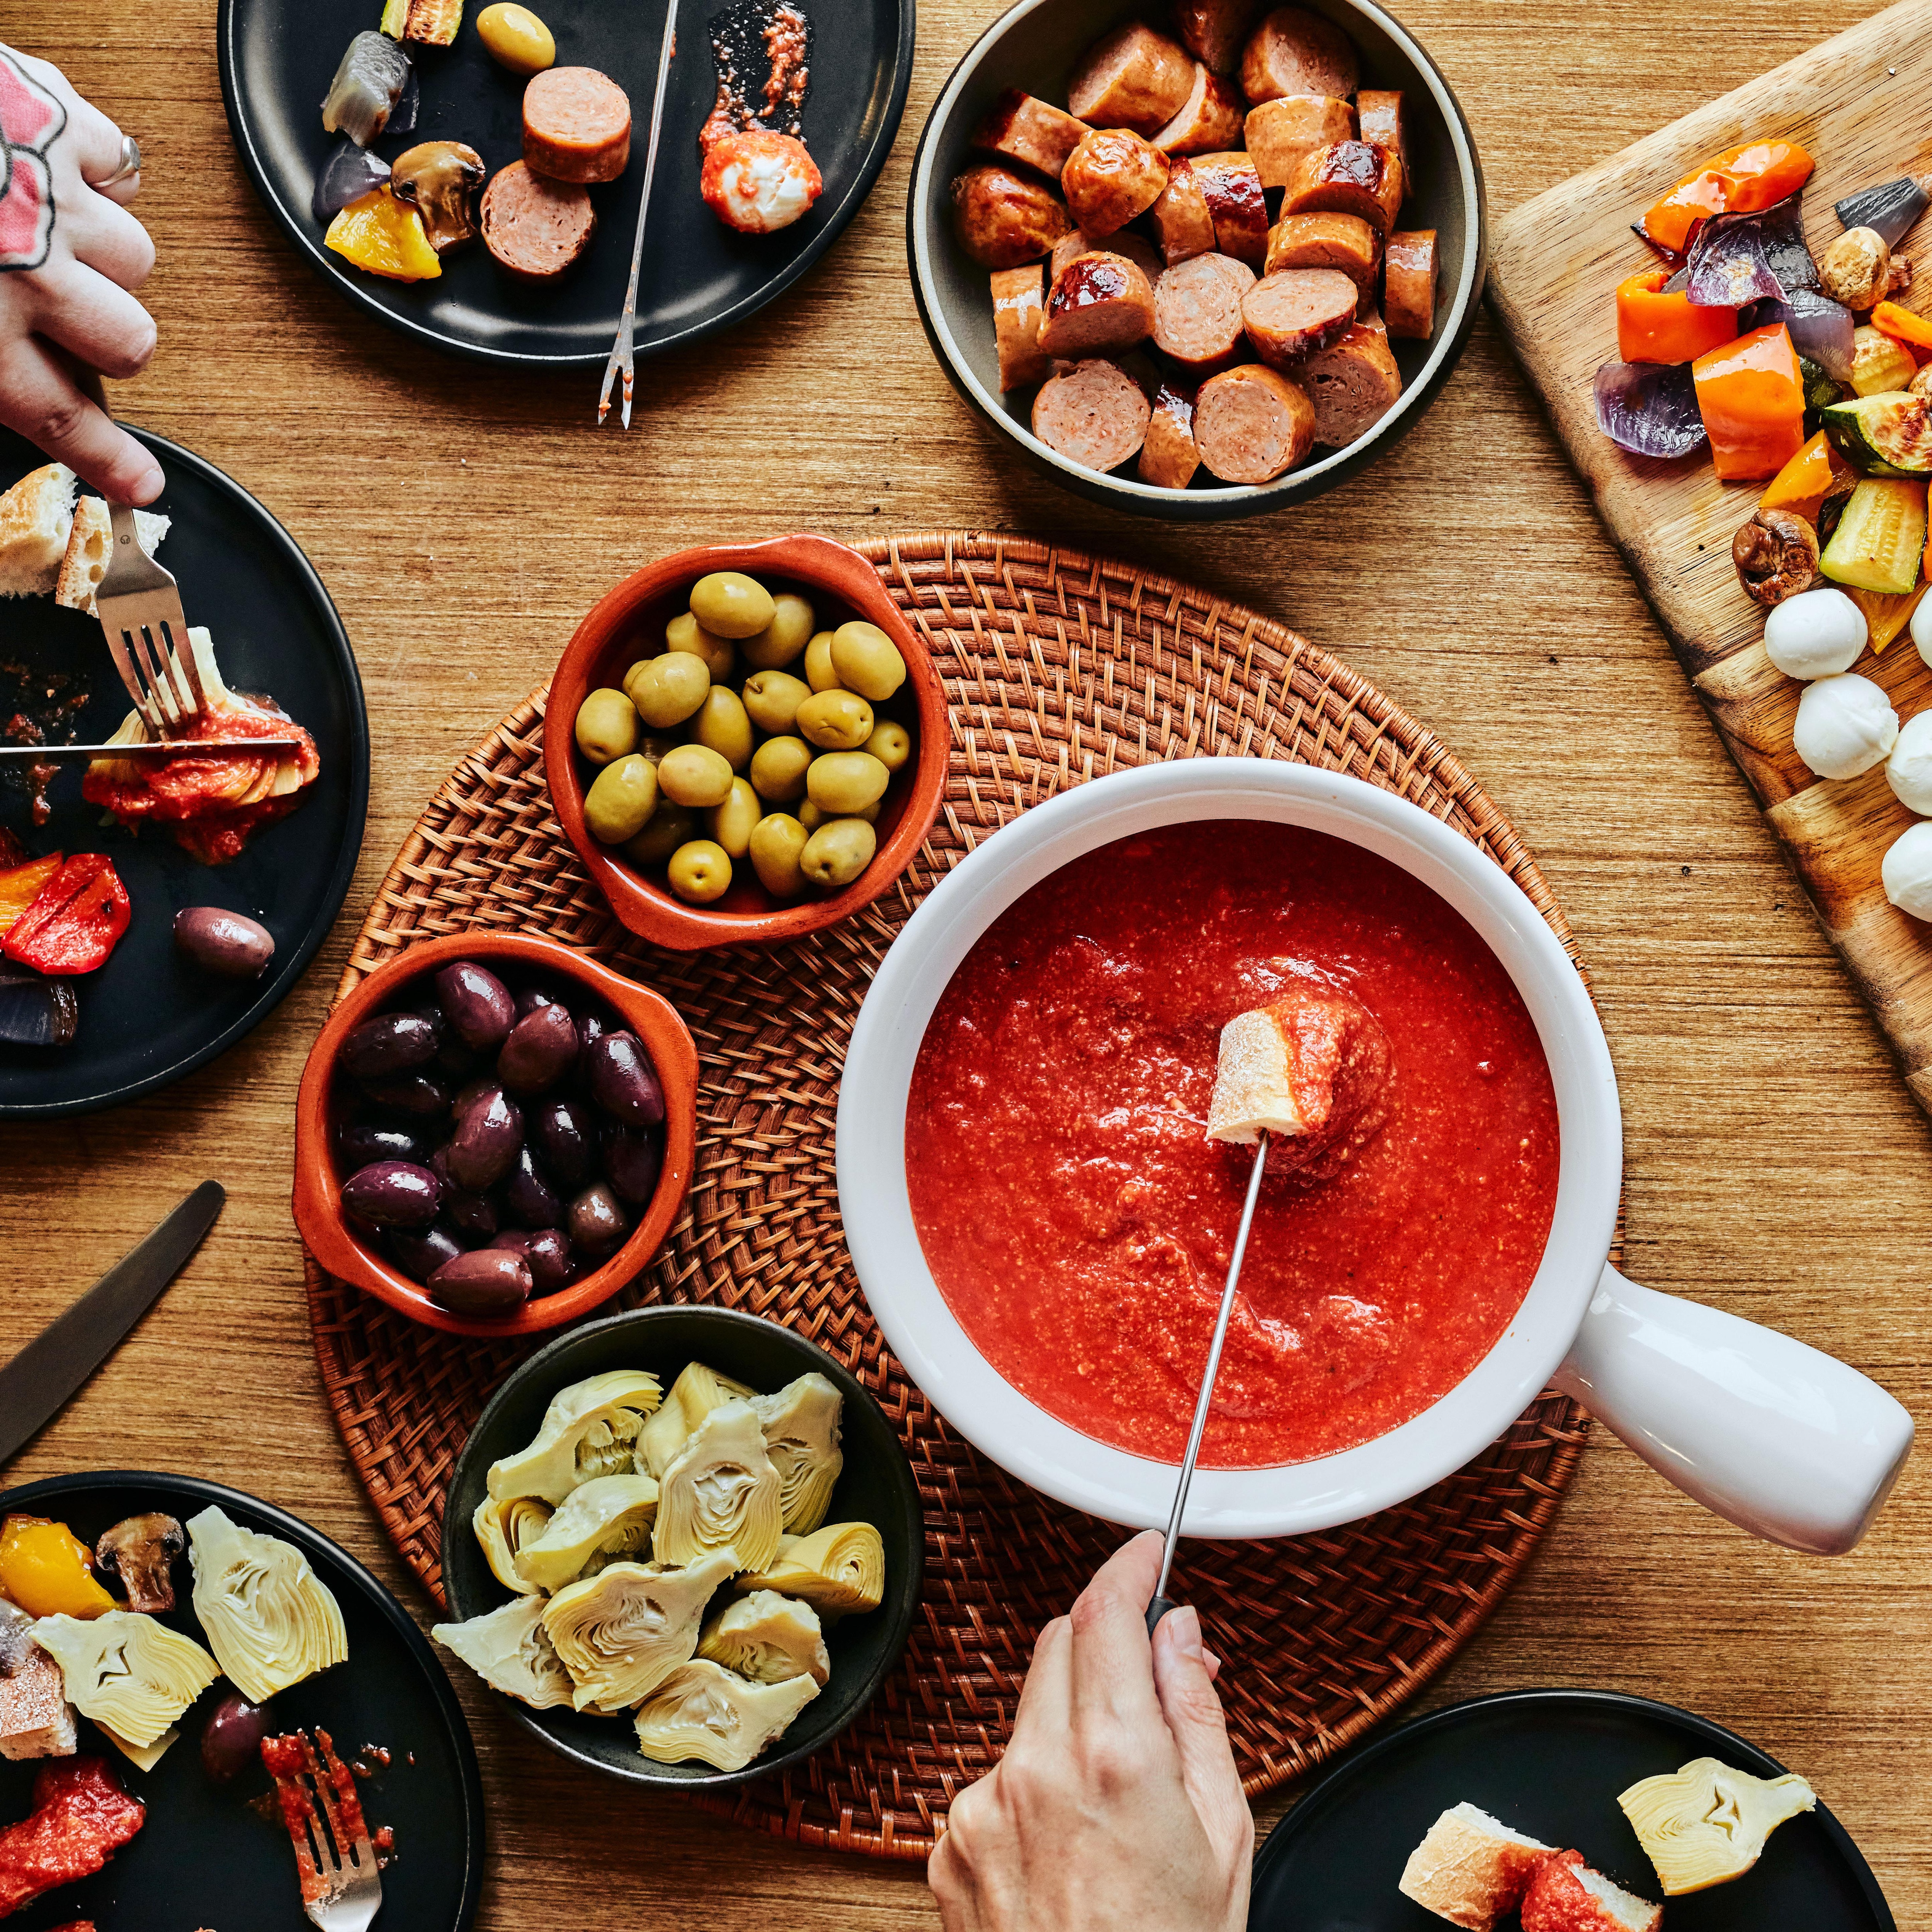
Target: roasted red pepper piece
[1653,327]
[81,1817]
[73,924]
[20,885]
[1759,175]
[1752,399]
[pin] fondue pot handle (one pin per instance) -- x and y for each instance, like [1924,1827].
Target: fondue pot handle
[1778,1438]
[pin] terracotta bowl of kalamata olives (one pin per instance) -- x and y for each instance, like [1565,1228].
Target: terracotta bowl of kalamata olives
[494,1133]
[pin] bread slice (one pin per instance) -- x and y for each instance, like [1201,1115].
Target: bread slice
[91,543]
[1471,1868]
[36,1720]
[36,517]
[1565,1895]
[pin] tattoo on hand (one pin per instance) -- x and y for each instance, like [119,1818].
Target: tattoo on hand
[31,120]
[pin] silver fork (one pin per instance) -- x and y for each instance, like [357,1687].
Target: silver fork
[342,1891]
[140,609]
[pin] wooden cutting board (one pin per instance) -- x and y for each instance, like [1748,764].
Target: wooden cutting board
[1861,104]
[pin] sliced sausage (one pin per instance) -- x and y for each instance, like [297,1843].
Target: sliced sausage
[1094,415]
[1232,190]
[1367,316]
[1350,178]
[1251,425]
[1019,127]
[1210,118]
[1352,383]
[577,125]
[1180,217]
[1004,219]
[1097,302]
[1293,52]
[1135,78]
[1408,284]
[1136,248]
[1278,132]
[1343,241]
[1019,310]
[536,229]
[1379,117]
[1169,458]
[1197,313]
[1214,31]
[1294,312]
[1111,176]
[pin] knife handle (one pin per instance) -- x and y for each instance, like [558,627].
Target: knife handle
[1156,1610]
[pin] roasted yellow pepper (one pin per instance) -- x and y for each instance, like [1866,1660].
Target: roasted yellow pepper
[47,1570]
[377,231]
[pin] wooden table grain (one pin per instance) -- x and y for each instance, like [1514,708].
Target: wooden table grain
[1775,1165]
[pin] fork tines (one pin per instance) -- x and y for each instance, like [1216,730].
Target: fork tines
[140,609]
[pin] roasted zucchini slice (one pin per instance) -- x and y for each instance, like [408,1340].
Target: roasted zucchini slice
[1880,540]
[1888,435]
[432,23]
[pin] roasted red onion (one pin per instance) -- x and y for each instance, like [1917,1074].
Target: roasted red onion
[348,174]
[1821,329]
[1760,256]
[1888,209]
[1649,408]
[35,1011]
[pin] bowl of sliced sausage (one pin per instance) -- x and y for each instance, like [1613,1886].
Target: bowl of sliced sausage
[1198,263]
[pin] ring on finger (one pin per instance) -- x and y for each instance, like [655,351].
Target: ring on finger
[129,167]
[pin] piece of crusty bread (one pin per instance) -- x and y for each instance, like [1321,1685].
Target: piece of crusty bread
[36,1720]
[1254,1086]
[1565,1895]
[1471,1868]
[36,517]
[89,545]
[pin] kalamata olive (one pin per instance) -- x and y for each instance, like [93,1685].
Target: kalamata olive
[541,1050]
[532,1200]
[229,943]
[547,1250]
[468,1209]
[531,998]
[470,1092]
[478,1004]
[419,1252]
[597,1221]
[389,1043]
[565,1131]
[623,1082]
[359,1142]
[393,1194]
[231,1741]
[633,1160]
[592,1026]
[421,1096]
[486,1281]
[488,1134]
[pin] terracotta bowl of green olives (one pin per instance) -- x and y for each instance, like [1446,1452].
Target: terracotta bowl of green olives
[745,742]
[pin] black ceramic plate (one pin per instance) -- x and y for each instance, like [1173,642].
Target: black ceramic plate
[278,57]
[1550,1763]
[147,1017]
[204,1857]
[875,1486]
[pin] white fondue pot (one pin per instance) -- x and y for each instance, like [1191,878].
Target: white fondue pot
[1783,1441]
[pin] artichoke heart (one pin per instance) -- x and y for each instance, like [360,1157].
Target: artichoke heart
[131,1674]
[505,1529]
[603,1520]
[801,1426]
[589,1430]
[622,1633]
[839,1571]
[704,1710]
[695,1393]
[768,1638]
[720,1490]
[1707,1823]
[511,1652]
[269,1617]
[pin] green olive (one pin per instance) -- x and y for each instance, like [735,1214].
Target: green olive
[867,661]
[818,671]
[654,745]
[842,783]
[669,689]
[687,634]
[607,726]
[812,818]
[721,723]
[778,769]
[838,852]
[891,744]
[695,775]
[619,805]
[784,637]
[835,721]
[671,826]
[516,38]
[776,842]
[732,604]
[772,697]
[730,823]
[700,871]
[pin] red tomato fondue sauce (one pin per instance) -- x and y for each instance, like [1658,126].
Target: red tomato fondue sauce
[1080,1226]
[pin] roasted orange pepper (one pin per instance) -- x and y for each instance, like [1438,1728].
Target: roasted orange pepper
[1653,327]
[1915,330]
[1758,174]
[47,1570]
[21,886]
[1752,399]
[1802,485]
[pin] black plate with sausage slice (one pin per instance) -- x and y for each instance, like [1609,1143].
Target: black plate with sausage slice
[216,1856]
[147,1017]
[278,57]
[1549,1763]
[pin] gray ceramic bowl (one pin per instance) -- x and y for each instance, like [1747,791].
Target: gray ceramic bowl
[876,1486]
[1035,46]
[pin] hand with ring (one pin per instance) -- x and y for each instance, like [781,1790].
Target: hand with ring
[70,254]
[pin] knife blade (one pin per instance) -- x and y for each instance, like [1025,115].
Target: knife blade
[158,751]
[59,1361]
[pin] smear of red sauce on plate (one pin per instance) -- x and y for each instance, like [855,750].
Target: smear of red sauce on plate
[1079,1225]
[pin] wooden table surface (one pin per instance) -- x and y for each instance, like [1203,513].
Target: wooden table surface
[1775,1166]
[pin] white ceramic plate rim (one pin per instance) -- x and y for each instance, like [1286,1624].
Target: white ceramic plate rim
[1086,1474]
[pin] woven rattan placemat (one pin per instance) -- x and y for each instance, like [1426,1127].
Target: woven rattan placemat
[1061,667]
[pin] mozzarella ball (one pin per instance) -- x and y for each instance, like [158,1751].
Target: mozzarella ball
[1815,634]
[1909,770]
[1907,872]
[759,180]
[1921,628]
[1846,724]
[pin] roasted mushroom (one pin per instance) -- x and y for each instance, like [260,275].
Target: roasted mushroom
[141,1551]
[1856,269]
[1776,556]
[441,181]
